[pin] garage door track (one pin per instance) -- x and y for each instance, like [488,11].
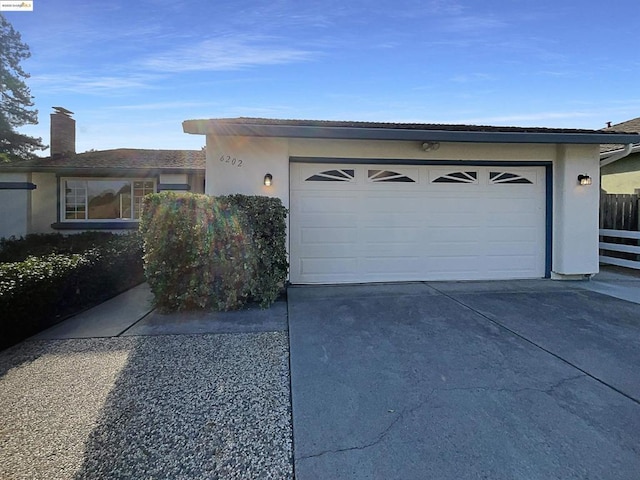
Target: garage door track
[499,380]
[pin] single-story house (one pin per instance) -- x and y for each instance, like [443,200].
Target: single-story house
[95,190]
[620,164]
[377,202]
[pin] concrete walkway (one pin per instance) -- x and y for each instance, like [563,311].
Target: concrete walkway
[131,313]
[109,319]
[617,282]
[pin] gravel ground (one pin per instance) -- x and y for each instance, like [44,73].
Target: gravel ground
[163,407]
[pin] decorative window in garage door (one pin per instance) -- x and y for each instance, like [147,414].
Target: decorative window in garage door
[457,177]
[506,177]
[388,176]
[346,175]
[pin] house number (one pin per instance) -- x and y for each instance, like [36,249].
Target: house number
[236,162]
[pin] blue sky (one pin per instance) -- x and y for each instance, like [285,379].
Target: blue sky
[132,71]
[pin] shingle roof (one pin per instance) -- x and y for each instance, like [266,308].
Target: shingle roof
[630,126]
[117,159]
[393,125]
[331,129]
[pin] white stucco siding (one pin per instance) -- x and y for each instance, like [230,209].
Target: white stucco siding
[576,210]
[397,150]
[44,202]
[238,165]
[15,206]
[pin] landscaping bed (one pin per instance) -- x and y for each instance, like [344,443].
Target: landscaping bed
[46,278]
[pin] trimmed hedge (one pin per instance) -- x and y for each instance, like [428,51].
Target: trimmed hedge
[218,253]
[40,291]
[41,244]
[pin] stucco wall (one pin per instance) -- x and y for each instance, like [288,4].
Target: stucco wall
[576,211]
[238,165]
[622,176]
[575,208]
[413,150]
[15,206]
[44,199]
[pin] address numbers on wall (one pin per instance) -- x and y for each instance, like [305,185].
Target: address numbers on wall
[233,161]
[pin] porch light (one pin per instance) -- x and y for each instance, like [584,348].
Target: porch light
[430,146]
[268,178]
[584,179]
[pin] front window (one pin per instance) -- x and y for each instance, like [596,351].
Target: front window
[104,199]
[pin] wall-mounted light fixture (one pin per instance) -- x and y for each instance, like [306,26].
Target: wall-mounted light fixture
[430,146]
[584,179]
[268,178]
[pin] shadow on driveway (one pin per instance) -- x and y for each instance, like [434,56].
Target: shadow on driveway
[500,380]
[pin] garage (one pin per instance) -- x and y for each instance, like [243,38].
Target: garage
[375,222]
[385,201]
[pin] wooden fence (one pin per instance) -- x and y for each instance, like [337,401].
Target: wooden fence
[619,212]
[614,252]
[619,232]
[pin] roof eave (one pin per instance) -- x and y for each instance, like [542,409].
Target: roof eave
[204,127]
[609,153]
[100,171]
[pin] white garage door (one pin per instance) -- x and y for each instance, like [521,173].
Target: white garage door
[376,223]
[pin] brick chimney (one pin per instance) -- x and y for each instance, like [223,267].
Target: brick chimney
[63,132]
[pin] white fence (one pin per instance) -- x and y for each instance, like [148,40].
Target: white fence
[634,250]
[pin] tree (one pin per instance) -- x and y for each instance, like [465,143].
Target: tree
[16,98]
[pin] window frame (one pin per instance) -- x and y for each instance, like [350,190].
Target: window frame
[62,204]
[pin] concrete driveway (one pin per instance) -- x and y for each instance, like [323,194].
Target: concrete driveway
[498,380]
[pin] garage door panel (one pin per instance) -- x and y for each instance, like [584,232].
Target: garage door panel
[393,204]
[325,266]
[454,220]
[392,236]
[367,231]
[452,249]
[511,263]
[512,249]
[458,267]
[438,234]
[389,220]
[513,221]
[391,265]
[499,234]
[400,250]
[329,235]
[328,204]
[511,205]
[338,250]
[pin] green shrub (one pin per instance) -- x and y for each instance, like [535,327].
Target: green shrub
[37,245]
[40,291]
[267,217]
[205,252]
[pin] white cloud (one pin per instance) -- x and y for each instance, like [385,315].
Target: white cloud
[91,83]
[162,106]
[225,53]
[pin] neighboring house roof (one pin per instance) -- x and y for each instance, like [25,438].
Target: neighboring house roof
[121,160]
[399,131]
[630,126]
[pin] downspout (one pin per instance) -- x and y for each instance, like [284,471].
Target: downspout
[617,156]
